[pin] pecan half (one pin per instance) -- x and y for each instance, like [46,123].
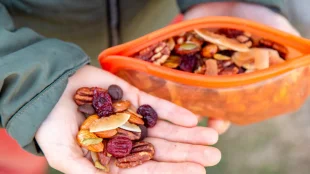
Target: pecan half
[141,152]
[85,95]
[283,51]
[131,135]
[157,53]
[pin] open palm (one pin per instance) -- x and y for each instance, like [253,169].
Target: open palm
[180,146]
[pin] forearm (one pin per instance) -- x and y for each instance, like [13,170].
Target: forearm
[33,74]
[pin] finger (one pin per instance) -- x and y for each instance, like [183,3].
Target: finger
[195,135]
[179,152]
[221,126]
[153,167]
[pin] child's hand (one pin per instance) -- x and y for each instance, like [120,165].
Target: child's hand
[180,146]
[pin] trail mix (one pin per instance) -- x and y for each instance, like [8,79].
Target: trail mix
[221,52]
[113,128]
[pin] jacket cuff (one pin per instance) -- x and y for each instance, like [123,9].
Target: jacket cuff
[27,120]
[274,5]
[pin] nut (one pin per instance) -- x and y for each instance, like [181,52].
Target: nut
[106,134]
[283,51]
[121,106]
[221,57]
[85,95]
[209,50]
[131,135]
[140,153]
[135,119]
[229,71]
[171,44]
[86,124]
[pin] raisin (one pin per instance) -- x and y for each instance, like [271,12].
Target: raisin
[87,109]
[144,132]
[188,63]
[119,146]
[149,115]
[115,92]
[102,103]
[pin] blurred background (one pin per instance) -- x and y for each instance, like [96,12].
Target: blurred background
[276,146]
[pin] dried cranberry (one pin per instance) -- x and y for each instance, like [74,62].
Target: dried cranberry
[149,115]
[119,146]
[115,92]
[102,103]
[188,63]
[230,33]
[144,132]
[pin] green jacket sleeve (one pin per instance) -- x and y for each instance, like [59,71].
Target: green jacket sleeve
[34,72]
[275,5]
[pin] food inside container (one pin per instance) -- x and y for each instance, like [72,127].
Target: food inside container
[214,52]
[221,67]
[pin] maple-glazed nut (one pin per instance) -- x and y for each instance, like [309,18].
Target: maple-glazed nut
[121,106]
[209,50]
[131,135]
[135,119]
[283,51]
[85,95]
[141,152]
[106,134]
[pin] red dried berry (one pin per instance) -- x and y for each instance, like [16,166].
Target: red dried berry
[188,63]
[102,103]
[149,115]
[119,146]
[230,33]
[144,132]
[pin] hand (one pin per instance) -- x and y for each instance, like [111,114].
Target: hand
[180,146]
[242,10]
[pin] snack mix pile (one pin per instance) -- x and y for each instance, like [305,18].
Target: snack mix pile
[219,52]
[113,128]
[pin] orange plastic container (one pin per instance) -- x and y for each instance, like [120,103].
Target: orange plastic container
[242,98]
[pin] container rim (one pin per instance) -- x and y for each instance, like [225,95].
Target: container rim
[118,57]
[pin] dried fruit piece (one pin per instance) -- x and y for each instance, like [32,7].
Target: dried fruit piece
[209,50]
[140,153]
[85,134]
[121,106]
[172,62]
[102,103]
[106,134]
[119,146]
[86,124]
[261,59]
[187,48]
[222,40]
[144,132]
[221,57]
[135,119]
[87,109]
[149,115]
[130,135]
[230,32]
[283,51]
[130,127]
[188,63]
[91,141]
[109,123]
[115,92]
[211,67]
